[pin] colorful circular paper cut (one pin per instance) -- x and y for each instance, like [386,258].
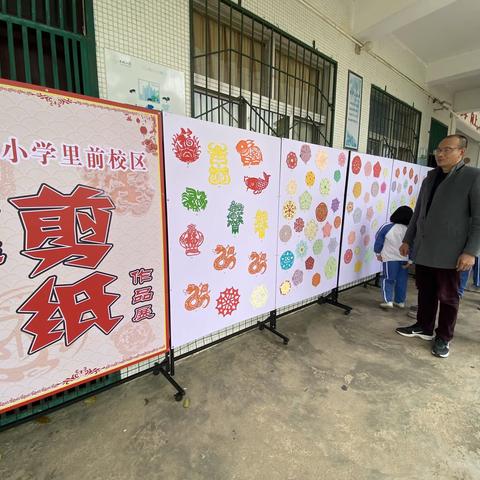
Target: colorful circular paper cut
[317,246]
[321,212]
[368,169]
[289,209]
[259,296]
[305,201]
[297,278]
[357,189]
[322,160]
[305,153]
[325,186]
[347,257]
[310,179]
[298,225]
[301,249]
[292,187]
[356,164]
[285,287]
[292,160]
[287,259]
[311,229]
[285,233]
[330,268]
[309,263]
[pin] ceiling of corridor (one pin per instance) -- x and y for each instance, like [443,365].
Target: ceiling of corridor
[443,34]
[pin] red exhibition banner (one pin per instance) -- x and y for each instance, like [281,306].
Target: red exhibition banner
[83,271]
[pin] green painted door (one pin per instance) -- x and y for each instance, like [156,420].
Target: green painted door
[438,131]
[49,43]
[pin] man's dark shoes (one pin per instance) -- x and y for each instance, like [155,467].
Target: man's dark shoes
[441,348]
[414,331]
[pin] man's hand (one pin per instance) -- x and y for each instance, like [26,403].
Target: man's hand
[404,249]
[379,257]
[465,262]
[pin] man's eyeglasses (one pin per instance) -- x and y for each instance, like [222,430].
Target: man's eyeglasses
[445,150]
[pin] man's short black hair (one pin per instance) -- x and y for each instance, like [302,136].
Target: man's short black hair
[462,139]
[402,215]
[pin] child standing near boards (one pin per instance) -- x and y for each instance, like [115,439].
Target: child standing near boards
[388,240]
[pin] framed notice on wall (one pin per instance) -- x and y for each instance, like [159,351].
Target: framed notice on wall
[83,290]
[354,108]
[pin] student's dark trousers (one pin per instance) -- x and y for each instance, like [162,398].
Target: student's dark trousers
[437,286]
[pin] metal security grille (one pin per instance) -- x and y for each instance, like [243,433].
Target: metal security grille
[393,127]
[246,73]
[49,43]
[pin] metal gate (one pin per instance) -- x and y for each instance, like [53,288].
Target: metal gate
[49,43]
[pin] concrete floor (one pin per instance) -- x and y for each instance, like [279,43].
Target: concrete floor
[346,399]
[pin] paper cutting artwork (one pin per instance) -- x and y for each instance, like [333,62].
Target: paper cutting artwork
[226,257]
[219,173]
[250,154]
[257,185]
[286,260]
[258,263]
[305,153]
[186,146]
[404,185]
[261,223]
[259,296]
[292,160]
[285,287]
[367,197]
[194,200]
[311,188]
[198,296]
[191,240]
[235,216]
[222,226]
[228,301]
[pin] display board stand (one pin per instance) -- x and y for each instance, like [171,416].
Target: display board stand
[332,299]
[270,324]
[167,369]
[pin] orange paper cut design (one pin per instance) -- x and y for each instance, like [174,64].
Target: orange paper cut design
[226,257]
[199,296]
[250,154]
[258,263]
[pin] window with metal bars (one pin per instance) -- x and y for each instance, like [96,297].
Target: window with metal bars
[393,127]
[246,73]
[49,43]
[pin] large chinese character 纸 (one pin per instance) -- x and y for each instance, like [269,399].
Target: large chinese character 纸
[65,228]
[69,311]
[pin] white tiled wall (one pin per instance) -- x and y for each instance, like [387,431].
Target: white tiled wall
[158,31]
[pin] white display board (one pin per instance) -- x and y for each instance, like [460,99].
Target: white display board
[366,211]
[222,203]
[145,84]
[405,185]
[312,188]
